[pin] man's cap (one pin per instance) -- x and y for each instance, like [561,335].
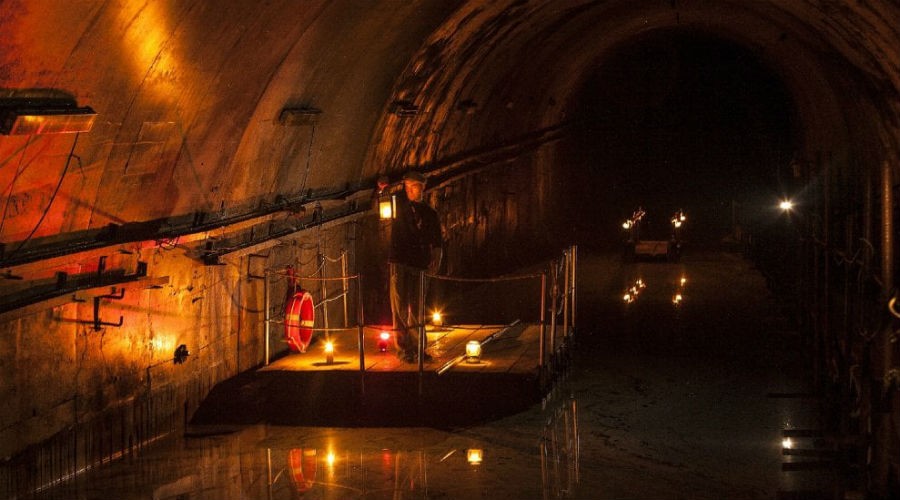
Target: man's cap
[414,175]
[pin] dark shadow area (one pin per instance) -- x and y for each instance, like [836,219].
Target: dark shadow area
[376,399]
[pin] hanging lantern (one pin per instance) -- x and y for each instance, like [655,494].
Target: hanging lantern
[387,207]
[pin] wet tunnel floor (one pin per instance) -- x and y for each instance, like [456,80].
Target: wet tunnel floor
[667,398]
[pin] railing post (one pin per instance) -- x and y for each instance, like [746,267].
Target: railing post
[554,291]
[344,283]
[360,320]
[574,254]
[267,314]
[324,288]
[568,260]
[420,318]
[543,335]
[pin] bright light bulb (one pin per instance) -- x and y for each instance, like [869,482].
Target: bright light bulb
[787,443]
[786,205]
[436,318]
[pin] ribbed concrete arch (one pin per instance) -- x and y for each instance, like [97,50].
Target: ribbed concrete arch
[189,93]
[226,130]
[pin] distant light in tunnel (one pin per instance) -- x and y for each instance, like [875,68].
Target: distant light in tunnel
[787,443]
[786,205]
[436,318]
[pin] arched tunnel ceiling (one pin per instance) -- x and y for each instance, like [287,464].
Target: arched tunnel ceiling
[190,94]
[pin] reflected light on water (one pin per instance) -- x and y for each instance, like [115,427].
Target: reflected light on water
[288,463]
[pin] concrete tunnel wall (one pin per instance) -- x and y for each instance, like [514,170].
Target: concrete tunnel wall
[192,155]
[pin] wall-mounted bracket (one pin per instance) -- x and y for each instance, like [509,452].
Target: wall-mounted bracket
[98,324]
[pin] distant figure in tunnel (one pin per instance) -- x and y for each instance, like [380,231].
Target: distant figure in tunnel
[415,247]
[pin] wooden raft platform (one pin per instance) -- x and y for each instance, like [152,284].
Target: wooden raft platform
[511,349]
[303,389]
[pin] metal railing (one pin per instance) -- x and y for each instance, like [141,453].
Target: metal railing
[557,308]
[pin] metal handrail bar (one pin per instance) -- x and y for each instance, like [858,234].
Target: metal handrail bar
[485,280]
[318,278]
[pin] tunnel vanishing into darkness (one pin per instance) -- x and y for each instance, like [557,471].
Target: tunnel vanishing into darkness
[160,156]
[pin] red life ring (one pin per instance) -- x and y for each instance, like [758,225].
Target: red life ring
[303,469]
[299,317]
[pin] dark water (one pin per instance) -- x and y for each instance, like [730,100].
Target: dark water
[667,398]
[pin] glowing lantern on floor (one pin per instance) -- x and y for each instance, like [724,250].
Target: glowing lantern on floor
[474,456]
[383,339]
[473,351]
[436,318]
[329,352]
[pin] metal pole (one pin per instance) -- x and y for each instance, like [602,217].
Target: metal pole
[827,340]
[267,313]
[574,281]
[568,261]
[360,320]
[887,228]
[420,317]
[554,291]
[269,472]
[543,335]
[344,283]
[324,288]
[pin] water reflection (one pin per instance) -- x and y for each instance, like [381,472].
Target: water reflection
[560,452]
[291,463]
